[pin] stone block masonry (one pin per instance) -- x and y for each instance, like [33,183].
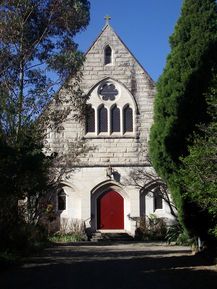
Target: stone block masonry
[120,150]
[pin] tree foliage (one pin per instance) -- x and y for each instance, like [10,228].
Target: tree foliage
[199,171]
[23,176]
[180,103]
[38,55]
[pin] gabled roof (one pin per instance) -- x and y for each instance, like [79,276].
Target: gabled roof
[108,26]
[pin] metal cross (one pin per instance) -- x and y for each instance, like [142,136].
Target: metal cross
[107,18]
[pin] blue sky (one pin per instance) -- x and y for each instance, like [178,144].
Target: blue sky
[143,25]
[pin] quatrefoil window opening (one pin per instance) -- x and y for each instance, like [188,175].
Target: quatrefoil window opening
[107,91]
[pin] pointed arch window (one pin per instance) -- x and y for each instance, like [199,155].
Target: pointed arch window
[158,201]
[115,119]
[90,119]
[107,55]
[61,200]
[110,111]
[103,119]
[128,119]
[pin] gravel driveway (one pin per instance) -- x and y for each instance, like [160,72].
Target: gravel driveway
[116,266]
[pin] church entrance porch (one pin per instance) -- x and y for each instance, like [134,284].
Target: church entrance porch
[110,208]
[110,211]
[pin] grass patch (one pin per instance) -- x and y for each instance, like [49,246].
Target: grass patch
[65,238]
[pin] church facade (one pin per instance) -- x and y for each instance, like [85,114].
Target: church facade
[98,191]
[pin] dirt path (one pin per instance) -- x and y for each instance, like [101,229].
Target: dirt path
[121,266]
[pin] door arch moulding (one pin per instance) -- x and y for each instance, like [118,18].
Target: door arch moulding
[100,189]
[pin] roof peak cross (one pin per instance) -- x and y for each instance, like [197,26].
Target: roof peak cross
[107,18]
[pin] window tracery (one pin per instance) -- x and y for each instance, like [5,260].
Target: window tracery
[111,111]
[107,91]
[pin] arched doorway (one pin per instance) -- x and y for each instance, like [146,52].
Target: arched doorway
[110,211]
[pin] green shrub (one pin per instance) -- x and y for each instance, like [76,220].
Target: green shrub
[151,228]
[176,234]
[24,237]
[69,237]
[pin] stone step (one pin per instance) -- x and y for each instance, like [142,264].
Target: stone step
[96,237]
[111,237]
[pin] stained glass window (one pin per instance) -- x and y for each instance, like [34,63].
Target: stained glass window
[128,119]
[90,119]
[103,119]
[115,119]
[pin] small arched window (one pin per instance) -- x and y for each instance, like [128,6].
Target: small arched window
[61,201]
[158,201]
[115,119]
[107,55]
[103,119]
[90,119]
[128,119]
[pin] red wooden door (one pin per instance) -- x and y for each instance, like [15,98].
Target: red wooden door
[110,211]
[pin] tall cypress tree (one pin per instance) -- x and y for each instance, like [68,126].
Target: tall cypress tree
[198,175]
[180,103]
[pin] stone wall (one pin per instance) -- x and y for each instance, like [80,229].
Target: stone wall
[126,70]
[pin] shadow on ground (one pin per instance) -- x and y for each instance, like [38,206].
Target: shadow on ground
[112,267]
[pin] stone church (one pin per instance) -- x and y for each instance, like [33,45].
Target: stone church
[120,94]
